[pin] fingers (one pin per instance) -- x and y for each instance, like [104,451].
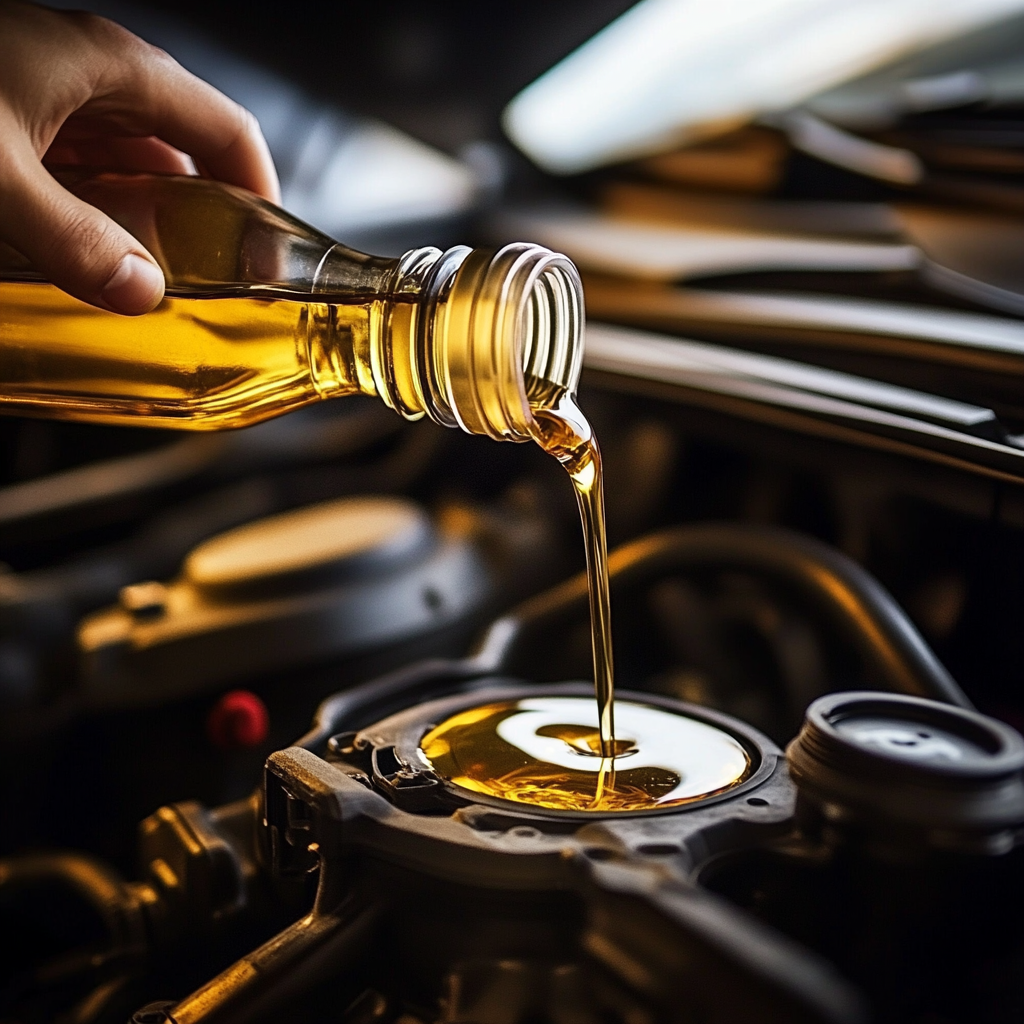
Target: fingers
[119,153]
[73,244]
[87,90]
[223,138]
[149,93]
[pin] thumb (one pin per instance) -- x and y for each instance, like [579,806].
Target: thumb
[74,245]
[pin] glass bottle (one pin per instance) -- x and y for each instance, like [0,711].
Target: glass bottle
[263,314]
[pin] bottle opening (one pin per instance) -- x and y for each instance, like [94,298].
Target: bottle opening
[552,343]
[492,337]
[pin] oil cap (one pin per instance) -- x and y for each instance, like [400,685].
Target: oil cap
[911,770]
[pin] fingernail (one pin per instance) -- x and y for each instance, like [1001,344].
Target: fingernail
[135,287]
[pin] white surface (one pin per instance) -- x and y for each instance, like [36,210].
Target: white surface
[671,70]
[705,758]
[673,360]
[760,309]
[634,248]
[371,176]
[825,141]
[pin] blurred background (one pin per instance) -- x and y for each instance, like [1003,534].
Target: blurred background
[439,73]
[801,230]
[800,227]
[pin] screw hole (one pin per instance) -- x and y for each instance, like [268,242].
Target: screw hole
[756,801]
[658,849]
[432,599]
[524,832]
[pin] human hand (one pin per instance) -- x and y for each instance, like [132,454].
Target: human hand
[78,89]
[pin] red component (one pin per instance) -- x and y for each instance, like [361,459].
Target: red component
[238,721]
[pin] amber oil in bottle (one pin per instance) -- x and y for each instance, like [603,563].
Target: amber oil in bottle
[263,314]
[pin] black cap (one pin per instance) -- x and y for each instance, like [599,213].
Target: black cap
[912,767]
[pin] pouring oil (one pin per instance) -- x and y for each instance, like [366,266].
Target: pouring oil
[263,314]
[564,432]
[564,753]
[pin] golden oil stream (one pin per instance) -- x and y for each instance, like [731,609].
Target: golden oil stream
[565,433]
[230,360]
[564,753]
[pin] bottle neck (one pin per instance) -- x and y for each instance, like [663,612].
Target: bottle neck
[479,339]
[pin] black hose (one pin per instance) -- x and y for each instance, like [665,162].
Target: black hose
[91,881]
[99,973]
[835,585]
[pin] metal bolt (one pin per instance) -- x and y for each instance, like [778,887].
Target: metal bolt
[343,743]
[409,779]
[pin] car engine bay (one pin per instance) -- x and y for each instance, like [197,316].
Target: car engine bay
[220,653]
